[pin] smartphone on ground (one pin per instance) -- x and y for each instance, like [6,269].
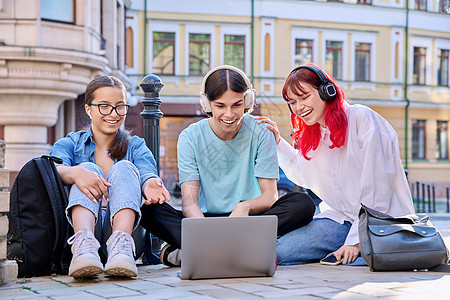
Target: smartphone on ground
[330,259]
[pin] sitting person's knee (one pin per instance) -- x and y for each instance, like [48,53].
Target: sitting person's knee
[91,167]
[303,204]
[124,165]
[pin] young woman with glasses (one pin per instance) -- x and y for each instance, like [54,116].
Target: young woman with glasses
[108,171]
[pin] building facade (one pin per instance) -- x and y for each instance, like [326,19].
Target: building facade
[392,55]
[49,51]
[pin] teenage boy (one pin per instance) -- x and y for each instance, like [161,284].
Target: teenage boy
[227,167]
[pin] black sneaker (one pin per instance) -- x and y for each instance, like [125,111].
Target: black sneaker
[163,256]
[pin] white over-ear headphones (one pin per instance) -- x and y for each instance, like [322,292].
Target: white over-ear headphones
[249,97]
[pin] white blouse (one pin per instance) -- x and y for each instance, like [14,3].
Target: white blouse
[367,169]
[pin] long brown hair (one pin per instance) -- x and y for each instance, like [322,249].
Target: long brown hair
[119,145]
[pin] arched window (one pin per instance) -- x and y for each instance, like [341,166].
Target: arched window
[396,60]
[267,53]
[129,48]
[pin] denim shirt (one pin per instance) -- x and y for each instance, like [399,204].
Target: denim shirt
[78,147]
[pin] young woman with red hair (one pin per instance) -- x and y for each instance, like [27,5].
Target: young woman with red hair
[347,155]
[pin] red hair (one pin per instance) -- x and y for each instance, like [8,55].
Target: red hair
[305,137]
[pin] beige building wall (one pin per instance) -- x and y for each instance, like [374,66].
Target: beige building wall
[44,63]
[271,44]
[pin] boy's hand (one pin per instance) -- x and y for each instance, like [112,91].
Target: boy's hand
[155,191]
[241,210]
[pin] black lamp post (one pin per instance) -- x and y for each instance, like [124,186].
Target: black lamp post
[151,85]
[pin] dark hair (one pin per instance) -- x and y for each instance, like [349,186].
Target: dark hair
[223,80]
[308,136]
[119,145]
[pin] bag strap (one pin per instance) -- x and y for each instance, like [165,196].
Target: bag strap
[50,179]
[63,195]
[408,219]
[374,213]
[384,230]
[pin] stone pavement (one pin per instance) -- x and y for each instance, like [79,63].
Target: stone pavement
[312,281]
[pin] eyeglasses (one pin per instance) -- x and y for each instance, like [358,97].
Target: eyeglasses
[107,109]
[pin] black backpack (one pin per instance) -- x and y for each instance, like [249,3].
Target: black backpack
[38,228]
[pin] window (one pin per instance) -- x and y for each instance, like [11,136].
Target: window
[234,51]
[418,139]
[444,6]
[303,52]
[443,67]
[368,2]
[442,139]
[199,53]
[420,4]
[164,53]
[58,10]
[419,65]
[333,63]
[362,62]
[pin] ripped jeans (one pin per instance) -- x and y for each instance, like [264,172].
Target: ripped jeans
[124,192]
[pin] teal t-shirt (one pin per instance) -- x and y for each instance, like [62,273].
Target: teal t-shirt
[228,171]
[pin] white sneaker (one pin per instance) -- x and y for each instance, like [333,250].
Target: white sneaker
[121,261]
[85,260]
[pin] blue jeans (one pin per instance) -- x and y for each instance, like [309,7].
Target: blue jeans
[124,192]
[312,242]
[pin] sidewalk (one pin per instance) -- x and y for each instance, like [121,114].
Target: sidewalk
[312,281]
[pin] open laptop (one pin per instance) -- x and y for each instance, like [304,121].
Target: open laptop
[221,247]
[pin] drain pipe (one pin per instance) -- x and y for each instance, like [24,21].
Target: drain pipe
[252,41]
[405,86]
[145,38]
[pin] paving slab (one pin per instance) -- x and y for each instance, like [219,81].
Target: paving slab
[194,287]
[81,295]
[13,293]
[196,297]
[141,285]
[113,291]
[306,291]
[224,293]
[250,287]
[346,295]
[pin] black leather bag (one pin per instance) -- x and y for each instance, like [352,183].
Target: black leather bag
[399,244]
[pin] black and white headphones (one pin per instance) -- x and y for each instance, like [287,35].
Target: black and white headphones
[327,90]
[249,97]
